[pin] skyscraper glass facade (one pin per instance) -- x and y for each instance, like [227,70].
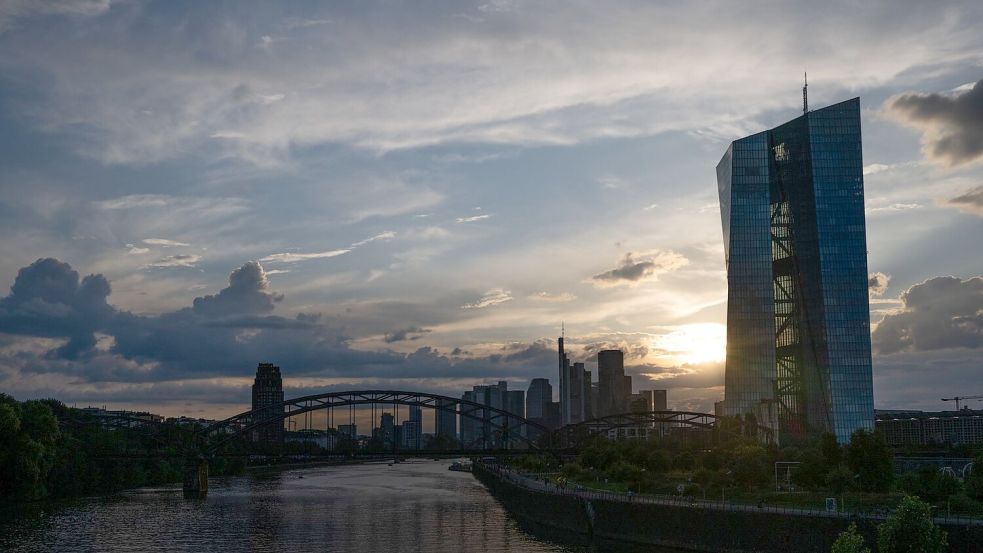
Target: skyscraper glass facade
[798,323]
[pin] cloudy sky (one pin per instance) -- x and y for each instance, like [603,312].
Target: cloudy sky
[414,195]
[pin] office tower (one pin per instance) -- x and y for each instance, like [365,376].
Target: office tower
[539,396]
[798,323]
[470,427]
[574,389]
[268,390]
[446,420]
[387,429]
[413,428]
[660,400]
[564,383]
[612,395]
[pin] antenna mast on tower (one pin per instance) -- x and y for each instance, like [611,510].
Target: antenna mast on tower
[805,93]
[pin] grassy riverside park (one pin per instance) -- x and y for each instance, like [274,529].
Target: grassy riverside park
[859,475]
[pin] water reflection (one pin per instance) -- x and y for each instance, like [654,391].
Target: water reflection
[416,506]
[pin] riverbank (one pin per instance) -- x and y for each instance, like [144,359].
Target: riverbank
[706,526]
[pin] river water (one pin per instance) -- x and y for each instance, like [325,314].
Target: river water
[413,506]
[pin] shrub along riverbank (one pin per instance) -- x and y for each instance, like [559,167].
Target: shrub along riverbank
[859,475]
[40,459]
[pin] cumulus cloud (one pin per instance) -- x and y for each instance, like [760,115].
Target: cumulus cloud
[636,268]
[970,202]
[877,283]
[492,297]
[248,292]
[219,335]
[940,313]
[48,300]
[952,124]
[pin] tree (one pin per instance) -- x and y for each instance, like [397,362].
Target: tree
[832,453]
[911,530]
[750,465]
[849,541]
[870,458]
[974,480]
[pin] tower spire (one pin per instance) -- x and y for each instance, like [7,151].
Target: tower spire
[805,93]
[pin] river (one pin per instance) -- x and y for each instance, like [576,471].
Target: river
[413,506]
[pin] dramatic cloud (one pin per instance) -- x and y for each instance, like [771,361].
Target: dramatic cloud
[940,313]
[633,270]
[970,202]
[877,283]
[48,300]
[492,297]
[952,124]
[220,335]
[247,293]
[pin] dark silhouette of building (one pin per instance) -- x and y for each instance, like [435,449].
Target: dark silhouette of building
[447,420]
[575,389]
[611,382]
[268,391]
[798,320]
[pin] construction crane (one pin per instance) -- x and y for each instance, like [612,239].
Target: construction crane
[957,399]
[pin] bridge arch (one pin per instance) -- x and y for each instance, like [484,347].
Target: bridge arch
[571,434]
[509,424]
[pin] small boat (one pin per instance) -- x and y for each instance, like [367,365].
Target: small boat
[460,466]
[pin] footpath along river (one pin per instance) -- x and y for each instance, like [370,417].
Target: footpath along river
[413,506]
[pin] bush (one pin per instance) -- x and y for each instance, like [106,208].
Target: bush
[911,530]
[849,541]
[869,457]
[930,484]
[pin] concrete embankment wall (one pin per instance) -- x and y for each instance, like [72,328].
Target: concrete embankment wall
[690,528]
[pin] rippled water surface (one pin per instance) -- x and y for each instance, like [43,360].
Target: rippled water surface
[415,506]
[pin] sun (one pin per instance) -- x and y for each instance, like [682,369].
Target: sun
[693,344]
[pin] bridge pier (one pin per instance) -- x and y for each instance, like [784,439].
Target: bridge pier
[195,478]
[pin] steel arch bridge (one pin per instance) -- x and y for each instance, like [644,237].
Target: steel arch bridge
[511,428]
[571,435]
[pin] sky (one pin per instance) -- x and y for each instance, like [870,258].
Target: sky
[415,195]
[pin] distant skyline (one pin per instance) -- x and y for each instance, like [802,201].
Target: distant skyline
[413,197]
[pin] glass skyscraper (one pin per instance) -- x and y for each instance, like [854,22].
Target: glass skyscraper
[798,320]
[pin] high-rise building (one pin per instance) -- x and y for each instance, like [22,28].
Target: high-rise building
[575,389]
[798,323]
[540,395]
[267,391]
[612,395]
[660,400]
[387,430]
[446,419]
[470,427]
[412,434]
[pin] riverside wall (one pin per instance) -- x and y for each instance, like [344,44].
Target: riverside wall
[688,527]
